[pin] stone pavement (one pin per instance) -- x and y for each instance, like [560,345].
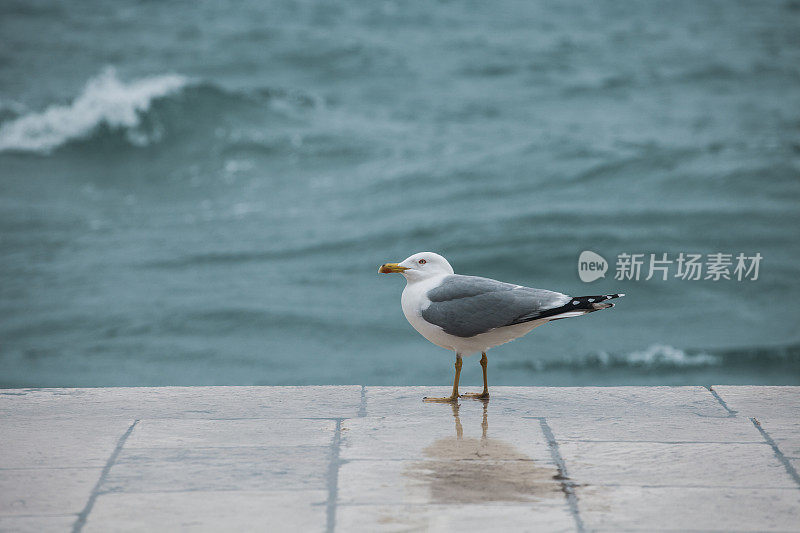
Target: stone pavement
[379,459]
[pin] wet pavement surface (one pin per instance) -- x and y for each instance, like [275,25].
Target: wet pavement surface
[353,458]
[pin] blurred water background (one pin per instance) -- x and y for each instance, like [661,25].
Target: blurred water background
[201,192]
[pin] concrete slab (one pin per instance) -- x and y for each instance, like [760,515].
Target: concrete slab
[457,455]
[192,433]
[685,465]
[638,402]
[209,511]
[36,524]
[46,491]
[183,402]
[447,481]
[215,455]
[633,508]
[62,443]
[217,469]
[473,517]
[758,402]
[395,438]
[655,429]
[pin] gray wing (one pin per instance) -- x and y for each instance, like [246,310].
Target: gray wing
[465,306]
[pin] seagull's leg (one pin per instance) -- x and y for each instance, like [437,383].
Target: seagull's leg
[485,394]
[453,397]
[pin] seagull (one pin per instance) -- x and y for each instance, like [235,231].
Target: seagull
[470,314]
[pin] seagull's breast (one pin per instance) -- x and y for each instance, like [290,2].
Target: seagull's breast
[414,300]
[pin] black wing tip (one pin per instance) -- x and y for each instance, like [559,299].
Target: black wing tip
[596,298]
[593,303]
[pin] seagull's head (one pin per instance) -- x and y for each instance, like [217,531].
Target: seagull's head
[419,266]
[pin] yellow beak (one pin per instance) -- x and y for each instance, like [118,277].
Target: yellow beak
[389,268]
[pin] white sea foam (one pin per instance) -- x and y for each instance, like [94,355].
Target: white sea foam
[662,354]
[104,100]
[655,355]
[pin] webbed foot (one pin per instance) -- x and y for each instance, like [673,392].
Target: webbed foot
[448,399]
[476,395]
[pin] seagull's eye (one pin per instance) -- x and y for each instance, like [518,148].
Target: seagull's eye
[421,261]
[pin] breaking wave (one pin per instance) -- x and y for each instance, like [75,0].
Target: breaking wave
[104,100]
[662,355]
[668,358]
[656,355]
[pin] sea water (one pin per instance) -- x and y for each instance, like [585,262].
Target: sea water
[202,192]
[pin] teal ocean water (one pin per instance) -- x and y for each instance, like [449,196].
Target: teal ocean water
[201,192]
